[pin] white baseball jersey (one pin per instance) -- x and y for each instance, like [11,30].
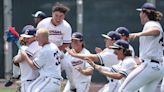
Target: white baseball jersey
[57,34]
[150,46]
[33,49]
[149,73]
[27,73]
[132,49]
[80,81]
[113,84]
[124,67]
[107,57]
[48,61]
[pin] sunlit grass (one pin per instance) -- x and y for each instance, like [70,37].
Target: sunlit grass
[7,90]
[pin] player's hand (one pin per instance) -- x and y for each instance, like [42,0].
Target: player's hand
[98,50]
[138,60]
[90,62]
[134,35]
[78,68]
[72,52]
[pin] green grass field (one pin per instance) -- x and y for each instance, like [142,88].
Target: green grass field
[7,90]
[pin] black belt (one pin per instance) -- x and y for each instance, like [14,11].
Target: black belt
[29,80]
[55,78]
[73,90]
[153,61]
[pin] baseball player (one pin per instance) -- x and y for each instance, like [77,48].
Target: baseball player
[107,56]
[122,69]
[124,32]
[38,16]
[162,84]
[147,75]
[59,29]
[80,76]
[27,73]
[49,67]
[107,53]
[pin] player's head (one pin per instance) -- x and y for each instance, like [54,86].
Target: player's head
[28,33]
[58,13]
[121,48]
[124,33]
[42,36]
[38,16]
[149,11]
[77,41]
[110,38]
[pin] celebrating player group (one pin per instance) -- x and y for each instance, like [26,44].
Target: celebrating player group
[51,47]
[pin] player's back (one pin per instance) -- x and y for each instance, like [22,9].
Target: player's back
[108,58]
[50,57]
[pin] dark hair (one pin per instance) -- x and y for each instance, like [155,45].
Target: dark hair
[127,52]
[60,7]
[83,45]
[153,15]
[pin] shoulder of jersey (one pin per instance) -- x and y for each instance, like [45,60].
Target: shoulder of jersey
[130,59]
[66,23]
[46,20]
[84,50]
[53,45]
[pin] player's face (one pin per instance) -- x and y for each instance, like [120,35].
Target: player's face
[142,17]
[29,40]
[108,42]
[119,53]
[76,44]
[57,17]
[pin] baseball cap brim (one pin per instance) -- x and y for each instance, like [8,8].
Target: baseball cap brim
[115,46]
[75,38]
[139,9]
[26,36]
[33,15]
[106,36]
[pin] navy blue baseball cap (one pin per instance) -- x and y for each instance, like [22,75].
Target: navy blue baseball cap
[120,44]
[123,31]
[147,6]
[112,35]
[39,14]
[77,36]
[28,31]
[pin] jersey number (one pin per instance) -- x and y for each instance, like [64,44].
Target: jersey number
[57,57]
